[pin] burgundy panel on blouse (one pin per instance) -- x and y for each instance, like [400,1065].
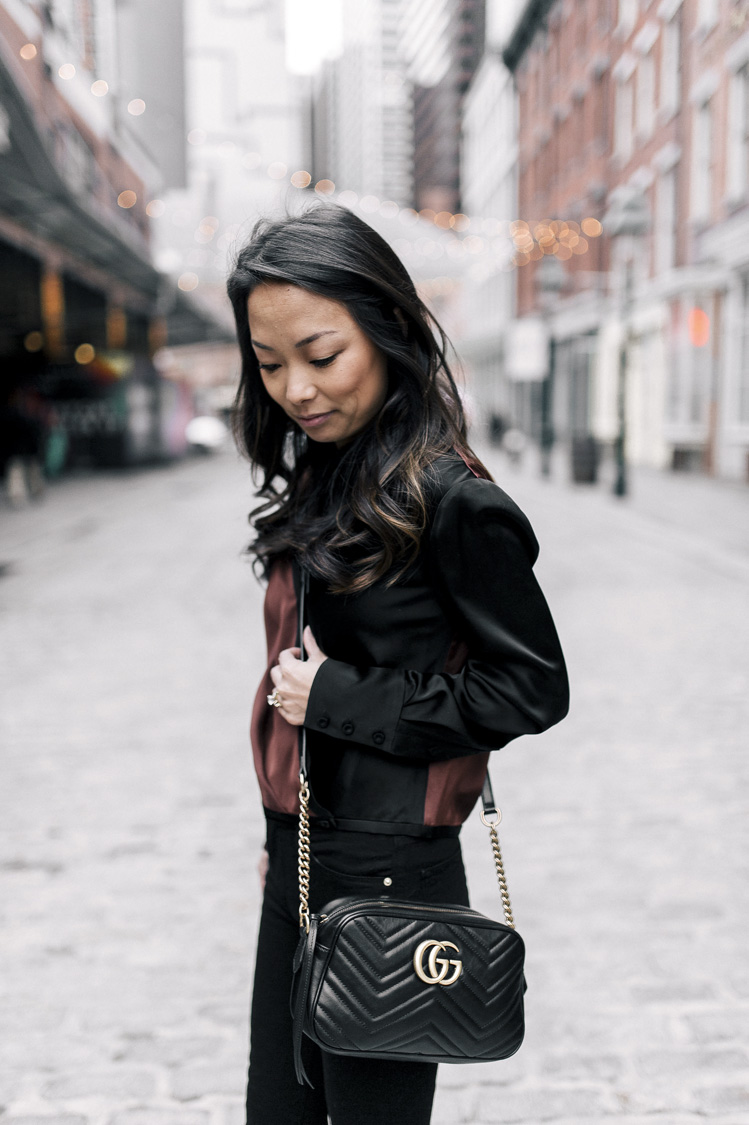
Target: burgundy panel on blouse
[275,744]
[453,786]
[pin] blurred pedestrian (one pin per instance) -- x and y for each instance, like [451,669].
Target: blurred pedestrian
[514,444]
[22,439]
[428,640]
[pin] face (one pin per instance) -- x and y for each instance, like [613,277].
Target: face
[315,361]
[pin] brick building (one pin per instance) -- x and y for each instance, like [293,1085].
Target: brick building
[711,397]
[560,56]
[647,102]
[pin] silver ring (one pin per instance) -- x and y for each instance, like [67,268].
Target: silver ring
[274,699]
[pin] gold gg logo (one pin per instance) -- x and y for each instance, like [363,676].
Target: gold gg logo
[437,966]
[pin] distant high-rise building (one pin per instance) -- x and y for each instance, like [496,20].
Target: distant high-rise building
[443,41]
[362,115]
[244,138]
[150,51]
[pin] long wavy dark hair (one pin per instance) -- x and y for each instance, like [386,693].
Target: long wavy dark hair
[354,515]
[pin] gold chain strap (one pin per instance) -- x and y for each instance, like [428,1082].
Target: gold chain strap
[503,891]
[303,854]
[304,859]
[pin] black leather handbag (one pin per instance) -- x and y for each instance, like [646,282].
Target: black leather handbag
[389,979]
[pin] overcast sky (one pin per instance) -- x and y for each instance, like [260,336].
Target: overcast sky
[313,32]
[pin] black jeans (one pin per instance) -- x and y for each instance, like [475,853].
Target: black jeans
[348,1091]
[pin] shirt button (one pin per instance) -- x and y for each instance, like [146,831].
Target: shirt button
[323,721]
[378,737]
[387,882]
[348,727]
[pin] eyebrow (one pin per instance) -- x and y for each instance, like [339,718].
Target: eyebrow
[301,343]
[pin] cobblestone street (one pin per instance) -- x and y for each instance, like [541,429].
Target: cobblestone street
[130,821]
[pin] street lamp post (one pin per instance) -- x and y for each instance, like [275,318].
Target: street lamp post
[620,458]
[550,280]
[627,217]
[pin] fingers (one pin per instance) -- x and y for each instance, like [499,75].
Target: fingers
[311,645]
[293,678]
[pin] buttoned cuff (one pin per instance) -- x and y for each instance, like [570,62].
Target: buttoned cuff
[356,704]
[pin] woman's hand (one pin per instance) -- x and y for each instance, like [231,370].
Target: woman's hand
[293,678]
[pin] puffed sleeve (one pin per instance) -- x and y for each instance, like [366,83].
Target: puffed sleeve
[481,553]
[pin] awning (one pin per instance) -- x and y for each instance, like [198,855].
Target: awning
[35,196]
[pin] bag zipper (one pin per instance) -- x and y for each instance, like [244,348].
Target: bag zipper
[410,906]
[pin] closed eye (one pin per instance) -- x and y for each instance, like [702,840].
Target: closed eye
[326,362]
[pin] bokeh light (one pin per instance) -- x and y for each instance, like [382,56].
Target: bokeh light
[28,51]
[84,353]
[136,107]
[67,71]
[300,179]
[33,342]
[156,208]
[99,88]
[188,281]
[698,326]
[127,199]
[324,187]
[591,227]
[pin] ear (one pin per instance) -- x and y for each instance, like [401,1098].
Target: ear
[402,321]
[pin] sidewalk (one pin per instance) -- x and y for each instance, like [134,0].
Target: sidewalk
[715,510]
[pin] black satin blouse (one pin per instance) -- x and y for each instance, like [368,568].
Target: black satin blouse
[451,662]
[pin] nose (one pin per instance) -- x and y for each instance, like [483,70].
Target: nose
[300,387]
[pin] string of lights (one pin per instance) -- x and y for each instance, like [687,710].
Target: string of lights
[473,235]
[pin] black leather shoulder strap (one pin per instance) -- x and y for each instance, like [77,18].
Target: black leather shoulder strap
[303,588]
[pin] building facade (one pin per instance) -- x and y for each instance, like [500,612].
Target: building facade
[640,105]
[362,107]
[718,204]
[83,308]
[489,196]
[443,41]
[559,55]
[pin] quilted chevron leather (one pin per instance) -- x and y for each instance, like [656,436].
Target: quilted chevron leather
[363,996]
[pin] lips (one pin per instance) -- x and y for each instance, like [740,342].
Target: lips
[313,419]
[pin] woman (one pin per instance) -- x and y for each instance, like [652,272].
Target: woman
[429,642]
